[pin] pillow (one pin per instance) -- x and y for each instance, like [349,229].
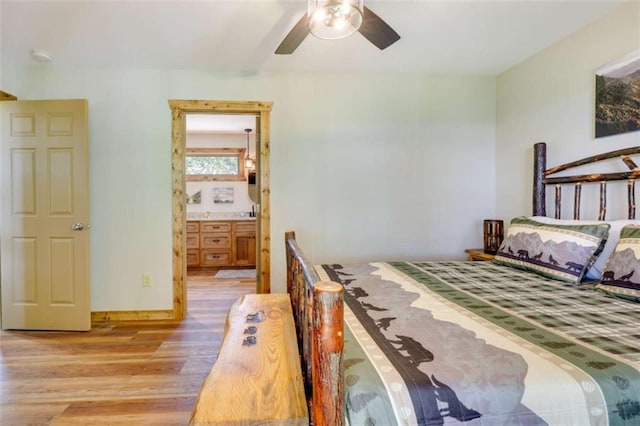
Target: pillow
[596,270]
[562,252]
[621,277]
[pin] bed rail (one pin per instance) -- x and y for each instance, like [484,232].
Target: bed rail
[542,177]
[318,312]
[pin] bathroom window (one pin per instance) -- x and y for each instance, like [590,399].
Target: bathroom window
[214,164]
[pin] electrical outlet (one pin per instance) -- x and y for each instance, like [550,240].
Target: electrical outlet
[146,280]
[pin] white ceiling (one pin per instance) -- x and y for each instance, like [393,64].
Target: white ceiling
[240,36]
[438,37]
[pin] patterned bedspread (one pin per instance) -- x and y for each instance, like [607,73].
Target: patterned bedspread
[475,343]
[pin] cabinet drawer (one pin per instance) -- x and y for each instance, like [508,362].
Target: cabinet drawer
[193,257]
[215,241]
[215,227]
[210,257]
[244,227]
[193,241]
[193,226]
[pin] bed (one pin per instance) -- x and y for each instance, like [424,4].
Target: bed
[544,334]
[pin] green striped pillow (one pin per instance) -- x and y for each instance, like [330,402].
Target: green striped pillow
[562,252]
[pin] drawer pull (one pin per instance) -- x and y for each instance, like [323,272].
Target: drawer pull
[257,317]
[251,330]
[249,341]
[216,241]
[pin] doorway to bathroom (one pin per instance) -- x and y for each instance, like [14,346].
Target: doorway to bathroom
[221,196]
[259,112]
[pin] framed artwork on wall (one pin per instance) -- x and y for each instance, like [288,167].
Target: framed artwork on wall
[223,195]
[618,96]
[194,198]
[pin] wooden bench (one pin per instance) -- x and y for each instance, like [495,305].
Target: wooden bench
[257,377]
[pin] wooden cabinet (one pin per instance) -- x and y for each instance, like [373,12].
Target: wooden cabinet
[244,243]
[221,243]
[193,243]
[215,243]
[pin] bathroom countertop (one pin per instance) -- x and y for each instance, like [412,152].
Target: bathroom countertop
[218,216]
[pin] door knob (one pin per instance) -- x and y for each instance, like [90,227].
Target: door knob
[78,226]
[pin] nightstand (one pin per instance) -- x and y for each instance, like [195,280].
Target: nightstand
[479,254]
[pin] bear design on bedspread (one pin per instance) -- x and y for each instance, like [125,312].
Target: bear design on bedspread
[415,354]
[435,396]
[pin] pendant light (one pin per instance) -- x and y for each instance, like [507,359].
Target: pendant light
[248,162]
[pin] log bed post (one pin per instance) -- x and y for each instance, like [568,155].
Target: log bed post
[539,168]
[328,343]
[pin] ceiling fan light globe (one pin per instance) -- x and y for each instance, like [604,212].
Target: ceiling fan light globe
[340,24]
[330,19]
[319,15]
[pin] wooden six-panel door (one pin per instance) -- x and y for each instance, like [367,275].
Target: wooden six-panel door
[44,210]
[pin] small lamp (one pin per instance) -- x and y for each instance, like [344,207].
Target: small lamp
[493,235]
[248,162]
[334,19]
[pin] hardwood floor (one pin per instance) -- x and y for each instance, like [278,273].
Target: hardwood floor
[133,373]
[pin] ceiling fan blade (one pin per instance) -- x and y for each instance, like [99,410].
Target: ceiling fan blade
[294,38]
[377,31]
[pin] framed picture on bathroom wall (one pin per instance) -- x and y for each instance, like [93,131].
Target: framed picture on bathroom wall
[195,198]
[223,195]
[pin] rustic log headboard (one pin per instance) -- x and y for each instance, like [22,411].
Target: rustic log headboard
[543,177]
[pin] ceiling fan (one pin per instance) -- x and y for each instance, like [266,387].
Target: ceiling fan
[333,19]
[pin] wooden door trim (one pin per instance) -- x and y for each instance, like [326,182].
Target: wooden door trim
[179,108]
[4,96]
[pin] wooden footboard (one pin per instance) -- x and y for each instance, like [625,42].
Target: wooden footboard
[318,313]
